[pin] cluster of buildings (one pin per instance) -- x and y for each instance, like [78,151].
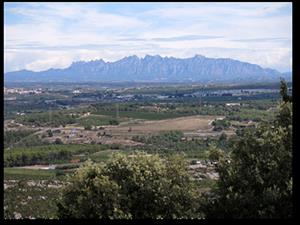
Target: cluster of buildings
[76,92]
[22,91]
[233,92]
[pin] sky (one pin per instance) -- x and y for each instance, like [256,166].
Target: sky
[39,36]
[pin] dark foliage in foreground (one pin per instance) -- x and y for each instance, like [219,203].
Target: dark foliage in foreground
[131,187]
[256,178]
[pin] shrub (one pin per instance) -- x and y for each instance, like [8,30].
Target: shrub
[58,141]
[136,186]
[88,127]
[114,122]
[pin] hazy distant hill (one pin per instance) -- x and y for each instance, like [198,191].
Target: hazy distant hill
[152,68]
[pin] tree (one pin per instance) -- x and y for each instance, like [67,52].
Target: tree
[256,177]
[50,133]
[284,118]
[58,141]
[114,122]
[284,91]
[136,186]
[220,124]
[88,127]
[214,154]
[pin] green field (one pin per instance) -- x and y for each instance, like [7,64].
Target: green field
[141,115]
[28,174]
[98,120]
[47,154]
[103,156]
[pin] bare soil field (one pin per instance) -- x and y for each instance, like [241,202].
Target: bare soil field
[37,167]
[122,133]
[189,123]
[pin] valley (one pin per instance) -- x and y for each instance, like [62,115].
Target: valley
[57,130]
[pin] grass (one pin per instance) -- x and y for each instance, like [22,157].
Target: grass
[103,156]
[252,114]
[95,120]
[20,173]
[47,154]
[141,115]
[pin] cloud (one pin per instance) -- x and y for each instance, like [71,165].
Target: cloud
[44,35]
[196,10]
[186,37]
[132,39]
[177,38]
[262,39]
[281,57]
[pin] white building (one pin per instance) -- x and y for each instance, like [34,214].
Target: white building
[76,92]
[233,104]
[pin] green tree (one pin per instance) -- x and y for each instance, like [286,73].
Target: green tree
[87,127]
[284,91]
[214,154]
[284,118]
[114,122]
[136,186]
[50,133]
[220,124]
[256,177]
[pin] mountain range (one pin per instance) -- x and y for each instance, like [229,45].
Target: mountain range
[153,69]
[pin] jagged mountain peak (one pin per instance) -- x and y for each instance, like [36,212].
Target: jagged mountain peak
[82,62]
[153,68]
[199,56]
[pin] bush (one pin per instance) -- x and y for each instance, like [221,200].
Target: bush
[137,186]
[11,137]
[59,172]
[220,124]
[50,133]
[114,122]
[58,141]
[115,146]
[88,127]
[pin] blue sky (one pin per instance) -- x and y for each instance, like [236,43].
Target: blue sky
[39,36]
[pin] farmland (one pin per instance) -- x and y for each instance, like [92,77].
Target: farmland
[56,131]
